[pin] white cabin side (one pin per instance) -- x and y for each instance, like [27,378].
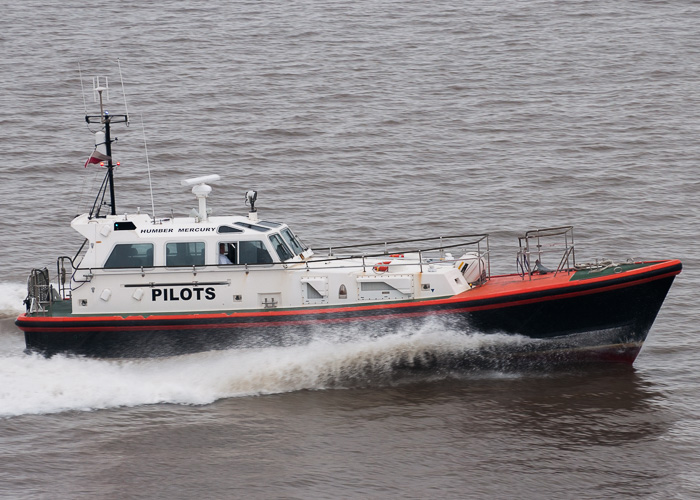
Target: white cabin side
[135,266]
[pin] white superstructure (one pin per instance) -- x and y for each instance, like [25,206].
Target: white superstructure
[134,264]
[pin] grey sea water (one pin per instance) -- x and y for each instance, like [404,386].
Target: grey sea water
[358,121]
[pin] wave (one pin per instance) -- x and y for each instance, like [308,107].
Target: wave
[11,299]
[31,384]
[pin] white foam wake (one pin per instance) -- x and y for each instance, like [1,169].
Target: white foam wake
[11,299]
[36,385]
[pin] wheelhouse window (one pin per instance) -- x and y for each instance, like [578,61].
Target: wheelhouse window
[253,252]
[189,253]
[252,226]
[267,223]
[228,253]
[282,251]
[293,242]
[228,229]
[130,255]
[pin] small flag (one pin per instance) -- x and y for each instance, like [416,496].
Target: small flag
[96,157]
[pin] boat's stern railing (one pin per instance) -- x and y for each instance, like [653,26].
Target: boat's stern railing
[40,293]
[538,244]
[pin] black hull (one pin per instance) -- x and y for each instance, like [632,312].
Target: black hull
[583,322]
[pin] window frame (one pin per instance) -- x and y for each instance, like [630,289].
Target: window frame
[291,239]
[190,264]
[282,244]
[129,257]
[263,246]
[235,244]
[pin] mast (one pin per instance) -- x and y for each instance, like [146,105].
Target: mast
[105,119]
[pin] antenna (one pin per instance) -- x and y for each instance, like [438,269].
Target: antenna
[82,88]
[148,168]
[126,110]
[100,92]
[201,190]
[200,180]
[106,119]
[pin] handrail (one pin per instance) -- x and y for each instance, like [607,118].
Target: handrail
[546,232]
[422,258]
[564,258]
[275,265]
[526,250]
[480,237]
[64,289]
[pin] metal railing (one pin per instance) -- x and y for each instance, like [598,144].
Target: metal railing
[540,243]
[39,291]
[64,289]
[427,254]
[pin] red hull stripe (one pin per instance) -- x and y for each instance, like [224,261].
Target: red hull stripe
[573,294]
[498,299]
[202,326]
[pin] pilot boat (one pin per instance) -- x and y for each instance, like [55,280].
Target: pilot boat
[146,286]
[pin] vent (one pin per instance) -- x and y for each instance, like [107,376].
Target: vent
[314,290]
[373,286]
[394,287]
[311,292]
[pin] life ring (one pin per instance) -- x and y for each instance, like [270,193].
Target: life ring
[382,267]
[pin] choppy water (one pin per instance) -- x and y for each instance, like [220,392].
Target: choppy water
[364,120]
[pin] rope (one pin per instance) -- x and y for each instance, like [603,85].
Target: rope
[596,267]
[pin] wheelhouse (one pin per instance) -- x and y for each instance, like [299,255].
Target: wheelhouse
[179,243]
